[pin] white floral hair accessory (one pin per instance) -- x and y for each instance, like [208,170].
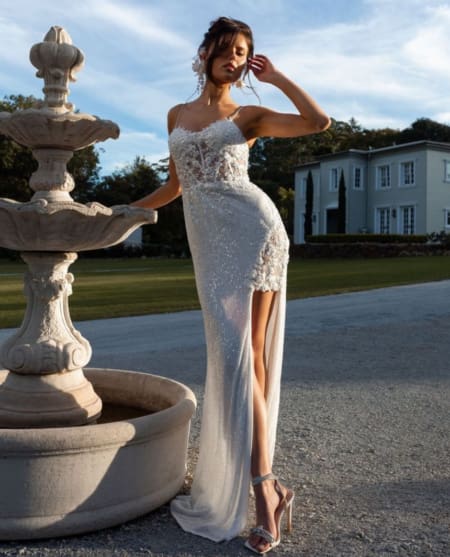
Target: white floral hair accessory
[199,68]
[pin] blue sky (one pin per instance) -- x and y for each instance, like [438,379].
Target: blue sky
[383,62]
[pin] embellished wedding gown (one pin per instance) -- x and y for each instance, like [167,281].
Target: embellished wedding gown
[238,245]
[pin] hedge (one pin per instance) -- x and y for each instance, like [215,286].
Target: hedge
[365,250]
[366,238]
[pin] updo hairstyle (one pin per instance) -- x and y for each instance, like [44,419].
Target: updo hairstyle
[221,33]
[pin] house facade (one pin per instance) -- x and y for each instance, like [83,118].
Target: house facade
[402,189]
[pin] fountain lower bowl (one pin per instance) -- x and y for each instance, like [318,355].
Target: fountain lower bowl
[64,481]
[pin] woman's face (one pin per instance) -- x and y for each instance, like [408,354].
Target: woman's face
[230,62]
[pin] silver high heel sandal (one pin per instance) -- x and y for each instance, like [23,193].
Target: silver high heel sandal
[286,504]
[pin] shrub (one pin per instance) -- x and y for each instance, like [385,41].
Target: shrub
[368,238]
[442,238]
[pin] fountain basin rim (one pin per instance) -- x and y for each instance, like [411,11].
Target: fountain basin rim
[58,117]
[51,112]
[79,439]
[43,128]
[93,208]
[68,226]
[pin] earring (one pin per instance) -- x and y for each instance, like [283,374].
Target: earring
[240,83]
[198,67]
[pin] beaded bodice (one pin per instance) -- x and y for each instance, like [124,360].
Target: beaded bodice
[217,153]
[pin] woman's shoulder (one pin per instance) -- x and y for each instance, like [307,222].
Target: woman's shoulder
[253,110]
[174,111]
[173,114]
[182,106]
[250,116]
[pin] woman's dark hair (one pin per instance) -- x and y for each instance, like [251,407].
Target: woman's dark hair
[221,33]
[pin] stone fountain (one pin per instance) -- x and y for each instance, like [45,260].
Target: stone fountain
[65,466]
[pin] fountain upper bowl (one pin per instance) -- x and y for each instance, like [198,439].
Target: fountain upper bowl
[44,128]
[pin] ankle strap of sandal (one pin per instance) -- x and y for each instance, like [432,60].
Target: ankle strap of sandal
[258,479]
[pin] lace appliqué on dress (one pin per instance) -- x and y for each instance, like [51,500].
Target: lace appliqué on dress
[212,166]
[270,269]
[203,157]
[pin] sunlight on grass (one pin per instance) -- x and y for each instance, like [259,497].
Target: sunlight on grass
[105,288]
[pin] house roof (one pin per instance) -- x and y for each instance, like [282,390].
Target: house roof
[422,144]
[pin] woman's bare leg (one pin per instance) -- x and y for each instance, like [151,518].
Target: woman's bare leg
[266,498]
[261,308]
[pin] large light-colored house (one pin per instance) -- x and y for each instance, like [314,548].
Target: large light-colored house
[402,189]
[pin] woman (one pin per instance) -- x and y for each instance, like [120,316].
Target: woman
[240,251]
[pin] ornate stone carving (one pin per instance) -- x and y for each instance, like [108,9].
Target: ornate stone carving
[66,225]
[45,385]
[52,129]
[52,172]
[57,60]
[47,341]
[45,128]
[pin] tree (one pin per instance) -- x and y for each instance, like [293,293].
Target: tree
[127,184]
[135,181]
[84,167]
[272,163]
[286,198]
[309,205]
[341,205]
[17,163]
[425,128]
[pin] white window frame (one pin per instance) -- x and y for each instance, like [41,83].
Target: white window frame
[379,177]
[446,170]
[361,178]
[447,217]
[379,211]
[408,208]
[402,174]
[334,179]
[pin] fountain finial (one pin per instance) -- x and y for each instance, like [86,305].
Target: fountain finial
[57,60]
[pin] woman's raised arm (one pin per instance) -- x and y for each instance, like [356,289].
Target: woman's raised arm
[264,122]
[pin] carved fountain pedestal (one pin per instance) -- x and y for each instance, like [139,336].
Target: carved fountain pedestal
[58,478]
[46,385]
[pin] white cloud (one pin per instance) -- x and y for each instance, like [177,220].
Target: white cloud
[429,49]
[15,44]
[443,117]
[138,22]
[111,94]
[115,155]
[385,63]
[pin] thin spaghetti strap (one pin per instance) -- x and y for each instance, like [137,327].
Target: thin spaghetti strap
[179,111]
[233,115]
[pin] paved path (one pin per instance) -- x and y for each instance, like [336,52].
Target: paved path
[363,434]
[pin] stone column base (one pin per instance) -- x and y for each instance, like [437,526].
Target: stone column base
[54,400]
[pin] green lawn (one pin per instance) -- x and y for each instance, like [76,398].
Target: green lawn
[121,287]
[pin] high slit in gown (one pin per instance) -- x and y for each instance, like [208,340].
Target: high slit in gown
[238,245]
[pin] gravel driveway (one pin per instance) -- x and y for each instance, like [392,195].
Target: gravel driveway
[363,432]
